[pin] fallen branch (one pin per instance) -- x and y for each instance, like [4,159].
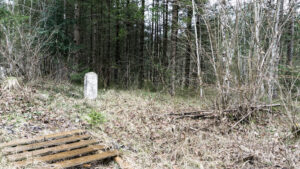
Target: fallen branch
[196,114]
[214,114]
[264,107]
[239,121]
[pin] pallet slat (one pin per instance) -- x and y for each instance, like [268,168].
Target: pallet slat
[43,144]
[65,149]
[24,155]
[40,138]
[60,156]
[85,159]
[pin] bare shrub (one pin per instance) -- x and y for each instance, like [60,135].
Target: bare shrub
[244,65]
[289,94]
[22,50]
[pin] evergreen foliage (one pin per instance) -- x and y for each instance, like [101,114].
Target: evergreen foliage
[131,43]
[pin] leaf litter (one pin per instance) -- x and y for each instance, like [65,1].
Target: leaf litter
[138,125]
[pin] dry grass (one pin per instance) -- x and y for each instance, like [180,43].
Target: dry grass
[137,124]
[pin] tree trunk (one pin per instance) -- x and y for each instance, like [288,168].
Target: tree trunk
[93,39]
[291,34]
[127,43]
[281,22]
[65,7]
[108,59]
[198,50]
[117,46]
[142,39]
[174,44]
[165,38]
[259,90]
[76,31]
[157,39]
[188,48]
[273,72]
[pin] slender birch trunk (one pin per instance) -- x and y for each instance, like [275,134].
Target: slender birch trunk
[227,51]
[273,71]
[259,88]
[198,50]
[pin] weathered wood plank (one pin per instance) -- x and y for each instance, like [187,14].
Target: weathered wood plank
[60,156]
[41,138]
[85,159]
[17,149]
[24,155]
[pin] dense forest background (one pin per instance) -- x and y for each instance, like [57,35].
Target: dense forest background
[242,49]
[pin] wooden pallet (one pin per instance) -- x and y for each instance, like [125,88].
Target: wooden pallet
[60,150]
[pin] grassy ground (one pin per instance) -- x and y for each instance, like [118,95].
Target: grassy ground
[136,123]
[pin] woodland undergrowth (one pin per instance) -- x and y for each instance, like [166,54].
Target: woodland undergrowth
[137,123]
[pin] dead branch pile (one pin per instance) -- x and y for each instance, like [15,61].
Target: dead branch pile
[205,114]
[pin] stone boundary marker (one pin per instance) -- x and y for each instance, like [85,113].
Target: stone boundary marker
[60,150]
[90,86]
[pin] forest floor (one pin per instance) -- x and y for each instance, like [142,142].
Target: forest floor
[136,123]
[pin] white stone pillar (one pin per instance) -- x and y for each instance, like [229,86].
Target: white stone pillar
[90,85]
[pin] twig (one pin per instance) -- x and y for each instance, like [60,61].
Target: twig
[240,121]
